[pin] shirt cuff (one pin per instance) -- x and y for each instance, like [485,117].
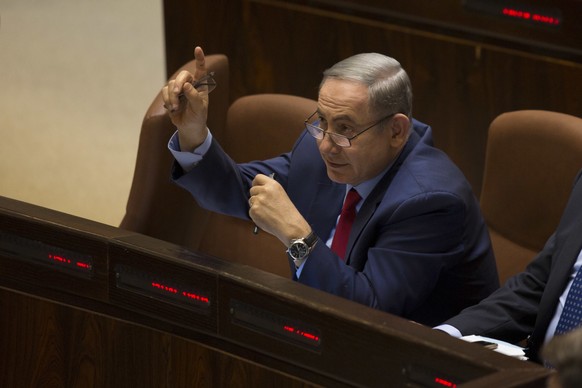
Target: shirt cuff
[450,330]
[298,270]
[188,160]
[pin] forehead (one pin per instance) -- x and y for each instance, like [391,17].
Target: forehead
[343,99]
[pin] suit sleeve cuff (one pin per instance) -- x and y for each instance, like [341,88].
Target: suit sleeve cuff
[188,160]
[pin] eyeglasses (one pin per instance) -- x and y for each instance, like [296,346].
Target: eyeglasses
[340,140]
[204,84]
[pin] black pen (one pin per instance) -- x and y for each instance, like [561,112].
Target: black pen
[256,229]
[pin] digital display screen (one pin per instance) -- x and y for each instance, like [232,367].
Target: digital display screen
[163,289]
[47,255]
[513,10]
[284,328]
[427,377]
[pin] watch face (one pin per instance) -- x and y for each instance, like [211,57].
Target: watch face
[298,250]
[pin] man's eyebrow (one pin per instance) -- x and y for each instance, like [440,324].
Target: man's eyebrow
[344,117]
[340,117]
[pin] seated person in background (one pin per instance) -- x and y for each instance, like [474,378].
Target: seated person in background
[530,305]
[418,247]
[564,352]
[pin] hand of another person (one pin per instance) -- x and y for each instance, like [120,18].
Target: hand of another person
[188,107]
[272,210]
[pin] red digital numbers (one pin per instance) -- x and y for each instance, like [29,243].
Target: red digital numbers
[62,260]
[176,291]
[444,383]
[531,16]
[301,333]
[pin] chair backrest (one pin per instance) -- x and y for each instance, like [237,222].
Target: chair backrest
[253,127]
[258,127]
[156,207]
[532,158]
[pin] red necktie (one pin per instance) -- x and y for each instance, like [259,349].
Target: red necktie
[347,217]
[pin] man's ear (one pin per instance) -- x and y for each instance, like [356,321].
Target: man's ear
[400,127]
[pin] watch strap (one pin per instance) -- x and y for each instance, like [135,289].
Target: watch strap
[311,239]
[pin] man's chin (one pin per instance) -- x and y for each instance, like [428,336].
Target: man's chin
[337,178]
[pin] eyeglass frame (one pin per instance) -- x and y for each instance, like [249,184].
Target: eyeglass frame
[323,132]
[208,81]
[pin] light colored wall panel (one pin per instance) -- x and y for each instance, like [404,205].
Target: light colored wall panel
[75,80]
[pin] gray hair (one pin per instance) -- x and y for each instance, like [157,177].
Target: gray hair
[389,88]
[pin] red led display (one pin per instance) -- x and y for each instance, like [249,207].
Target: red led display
[86,266]
[427,377]
[444,383]
[301,333]
[531,16]
[185,294]
[59,259]
[72,263]
[166,290]
[268,322]
[535,14]
[39,253]
[197,297]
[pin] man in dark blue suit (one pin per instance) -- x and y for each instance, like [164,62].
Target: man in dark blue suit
[418,246]
[530,304]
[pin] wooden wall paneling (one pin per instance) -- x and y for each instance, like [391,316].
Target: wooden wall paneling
[215,25]
[61,353]
[460,19]
[49,345]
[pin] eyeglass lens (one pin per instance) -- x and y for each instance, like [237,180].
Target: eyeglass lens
[204,84]
[317,132]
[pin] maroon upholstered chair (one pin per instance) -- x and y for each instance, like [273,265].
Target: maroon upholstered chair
[253,127]
[156,207]
[531,161]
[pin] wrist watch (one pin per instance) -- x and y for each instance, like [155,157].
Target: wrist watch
[301,247]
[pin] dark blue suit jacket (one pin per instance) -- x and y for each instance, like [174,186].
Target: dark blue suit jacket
[419,247]
[526,304]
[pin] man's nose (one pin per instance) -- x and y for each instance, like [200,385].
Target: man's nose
[327,145]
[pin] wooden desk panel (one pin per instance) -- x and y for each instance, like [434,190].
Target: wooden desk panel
[259,330]
[50,345]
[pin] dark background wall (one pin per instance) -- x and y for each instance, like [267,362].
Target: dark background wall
[467,64]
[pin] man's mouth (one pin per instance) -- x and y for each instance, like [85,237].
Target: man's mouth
[335,165]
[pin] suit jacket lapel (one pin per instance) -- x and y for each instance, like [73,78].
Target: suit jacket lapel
[373,201]
[326,207]
[559,276]
[570,230]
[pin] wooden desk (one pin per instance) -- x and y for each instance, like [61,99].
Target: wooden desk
[87,305]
